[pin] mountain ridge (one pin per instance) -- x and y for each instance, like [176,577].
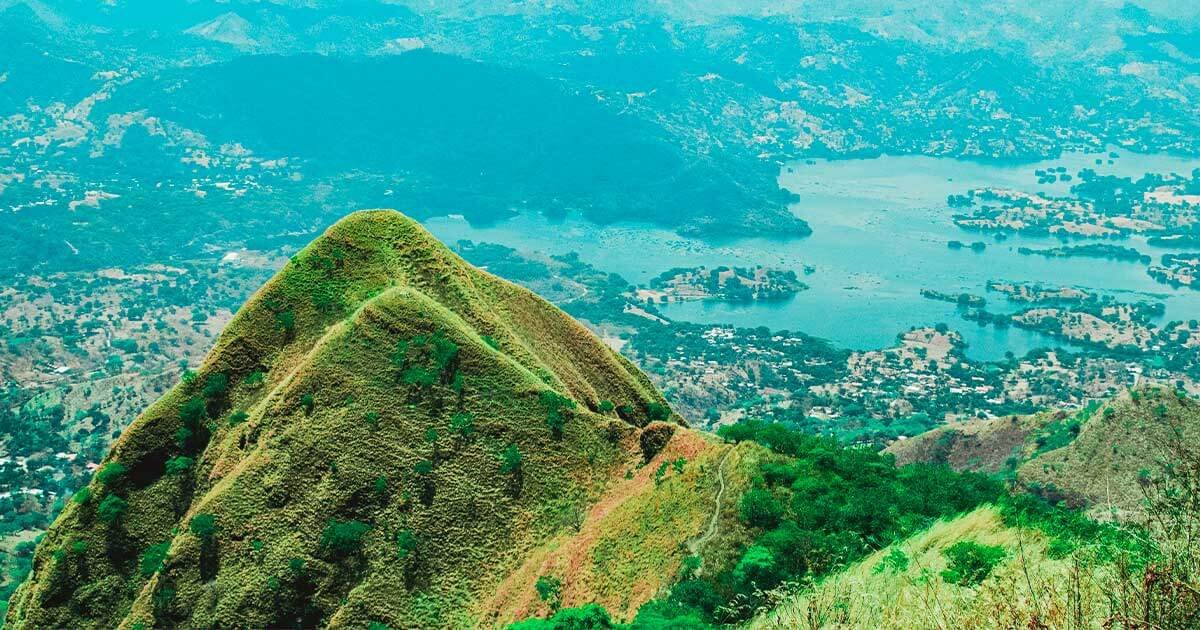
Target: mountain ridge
[382,434]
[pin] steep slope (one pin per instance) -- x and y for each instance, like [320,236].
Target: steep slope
[382,434]
[1112,452]
[991,445]
[1099,457]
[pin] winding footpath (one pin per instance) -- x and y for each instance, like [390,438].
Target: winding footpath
[694,546]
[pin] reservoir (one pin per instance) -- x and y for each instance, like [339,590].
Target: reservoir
[880,233]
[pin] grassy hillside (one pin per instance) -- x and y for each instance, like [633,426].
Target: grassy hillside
[911,585]
[1099,530]
[992,445]
[1100,457]
[628,546]
[383,434]
[1111,454]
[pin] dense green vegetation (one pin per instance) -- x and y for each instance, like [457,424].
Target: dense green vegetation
[971,562]
[812,510]
[828,518]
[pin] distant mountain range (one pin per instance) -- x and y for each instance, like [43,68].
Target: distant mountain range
[710,96]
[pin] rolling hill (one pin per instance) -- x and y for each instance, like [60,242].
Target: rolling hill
[1098,529]
[467,137]
[902,586]
[1099,458]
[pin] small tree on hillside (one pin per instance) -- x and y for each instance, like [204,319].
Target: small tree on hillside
[549,590]
[462,424]
[341,539]
[406,553]
[286,322]
[193,414]
[111,474]
[216,386]
[178,465]
[658,412]
[556,406]
[112,509]
[512,464]
[204,526]
[510,460]
[971,562]
[153,558]
[424,470]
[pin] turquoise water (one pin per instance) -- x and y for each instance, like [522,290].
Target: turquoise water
[880,228]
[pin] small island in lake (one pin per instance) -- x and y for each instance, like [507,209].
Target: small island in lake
[1164,208]
[730,284]
[1082,316]
[1091,250]
[1180,270]
[962,299]
[977,246]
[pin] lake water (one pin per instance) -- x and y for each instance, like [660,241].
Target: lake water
[880,228]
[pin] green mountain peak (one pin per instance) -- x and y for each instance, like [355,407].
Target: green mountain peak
[380,434]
